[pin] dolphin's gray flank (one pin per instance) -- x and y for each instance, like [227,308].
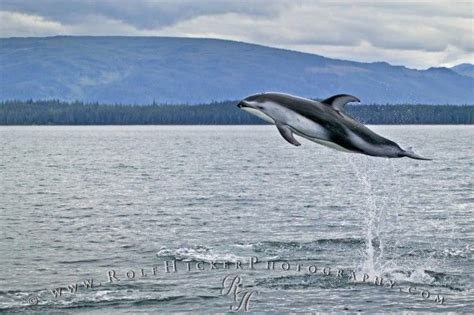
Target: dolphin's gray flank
[322,122]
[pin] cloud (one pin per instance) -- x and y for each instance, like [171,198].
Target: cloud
[337,25]
[142,14]
[365,52]
[417,34]
[18,24]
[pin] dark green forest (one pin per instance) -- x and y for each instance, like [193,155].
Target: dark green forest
[54,112]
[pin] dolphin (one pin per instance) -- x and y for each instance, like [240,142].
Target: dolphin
[323,122]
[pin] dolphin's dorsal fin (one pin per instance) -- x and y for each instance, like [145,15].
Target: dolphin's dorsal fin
[286,133]
[339,101]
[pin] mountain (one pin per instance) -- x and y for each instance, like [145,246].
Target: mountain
[466,69]
[140,70]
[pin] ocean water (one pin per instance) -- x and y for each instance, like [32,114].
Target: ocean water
[112,208]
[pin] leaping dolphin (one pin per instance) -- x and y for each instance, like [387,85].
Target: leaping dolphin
[323,122]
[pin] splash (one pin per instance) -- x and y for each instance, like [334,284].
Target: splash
[378,206]
[373,220]
[385,237]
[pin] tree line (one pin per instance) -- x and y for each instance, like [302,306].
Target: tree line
[55,112]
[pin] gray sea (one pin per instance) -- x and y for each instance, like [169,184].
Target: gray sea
[92,218]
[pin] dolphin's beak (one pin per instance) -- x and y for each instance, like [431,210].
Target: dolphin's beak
[243,104]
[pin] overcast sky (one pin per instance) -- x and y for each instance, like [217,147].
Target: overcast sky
[418,34]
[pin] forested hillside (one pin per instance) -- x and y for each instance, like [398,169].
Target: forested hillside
[61,113]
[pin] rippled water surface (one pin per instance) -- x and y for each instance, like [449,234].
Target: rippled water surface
[78,203]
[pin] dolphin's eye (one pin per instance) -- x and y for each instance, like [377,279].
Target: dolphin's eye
[260,107]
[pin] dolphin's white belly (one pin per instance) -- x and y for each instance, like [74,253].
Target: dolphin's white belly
[312,131]
[330,144]
[301,126]
[307,128]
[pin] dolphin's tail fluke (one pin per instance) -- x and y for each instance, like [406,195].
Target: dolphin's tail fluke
[412,155]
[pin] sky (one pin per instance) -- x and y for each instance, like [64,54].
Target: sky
[417,34]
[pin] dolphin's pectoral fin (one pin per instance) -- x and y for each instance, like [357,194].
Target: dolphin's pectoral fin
[286,133]
[339,101]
